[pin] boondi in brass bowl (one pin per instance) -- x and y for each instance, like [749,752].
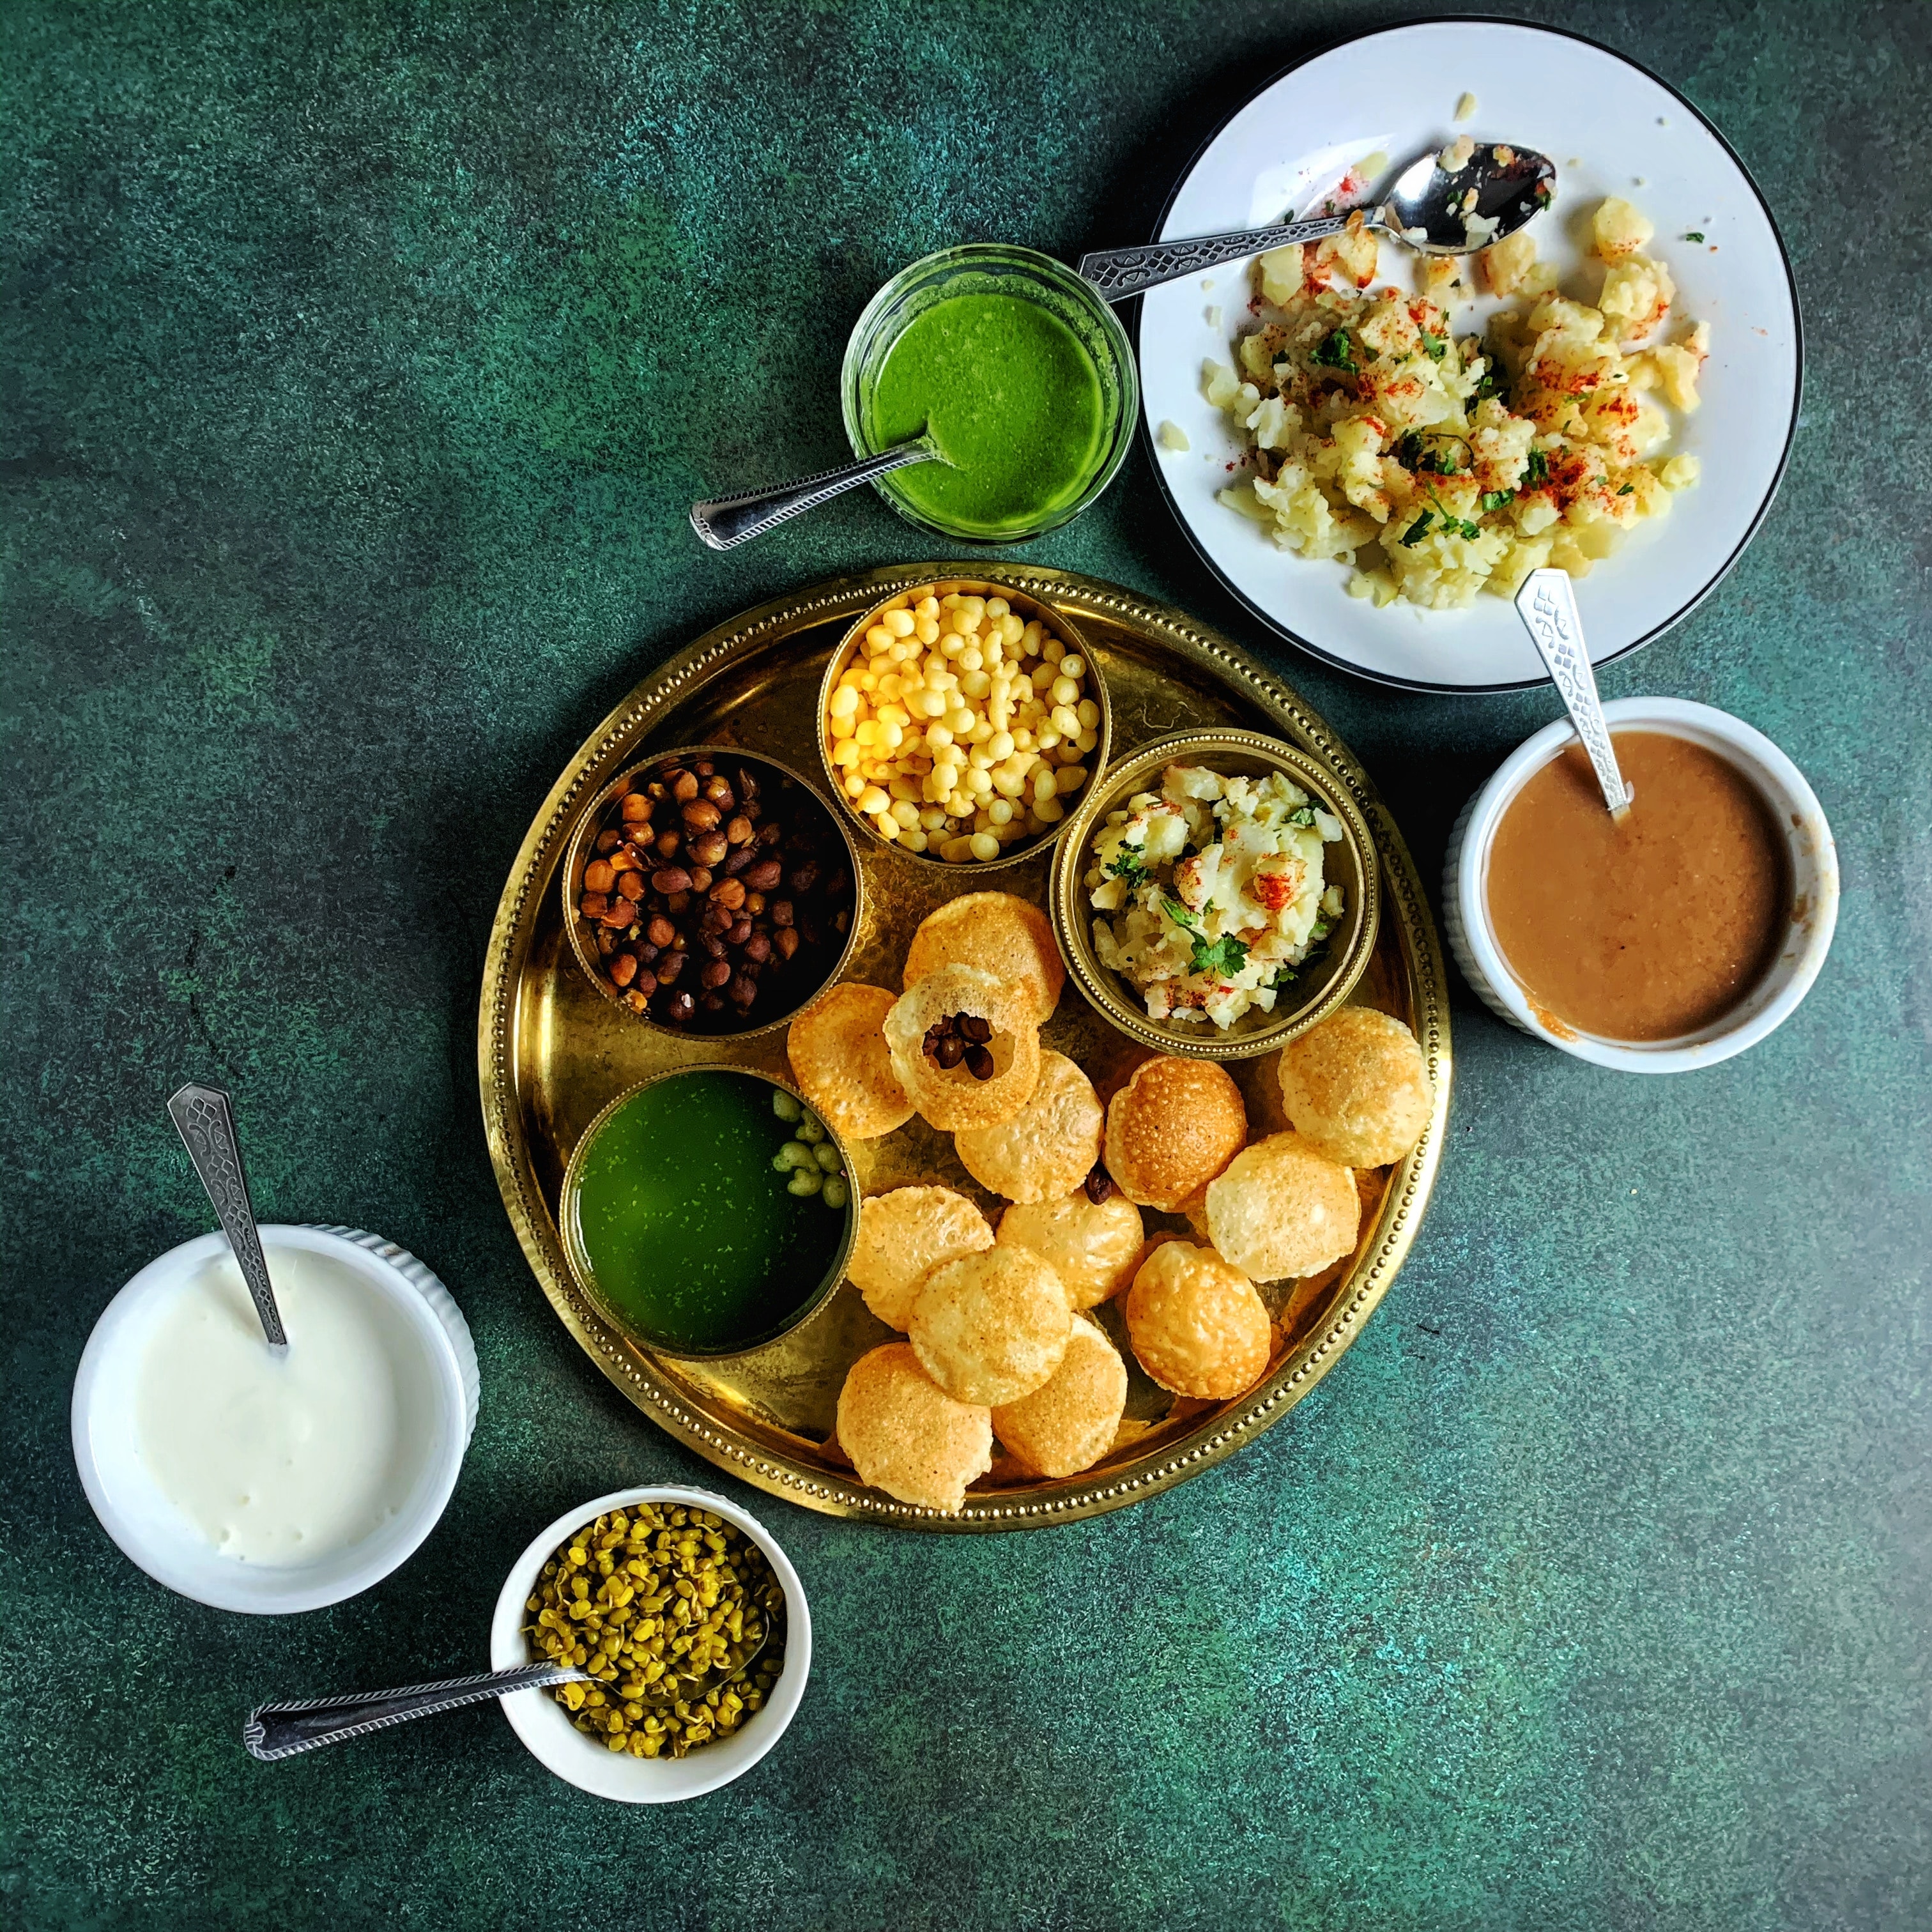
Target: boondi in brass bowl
[1224,967]
[974,743]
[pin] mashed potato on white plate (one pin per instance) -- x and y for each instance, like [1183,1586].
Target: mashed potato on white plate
[1442,467]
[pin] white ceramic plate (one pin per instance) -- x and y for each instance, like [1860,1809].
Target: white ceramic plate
[1611,128]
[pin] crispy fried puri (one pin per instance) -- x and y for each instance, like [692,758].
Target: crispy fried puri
[990,1328]
[951,1099]
[907,1436]
[1196,1323]
[1048,1148]
[902,1235]
[837,1048]
[1094,1246]
[1278,1208]
[1171,1129]
[1009,937]
[1356,1087]
[1069,1422]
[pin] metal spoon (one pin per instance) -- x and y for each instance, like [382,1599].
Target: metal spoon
[206,1121]
[1427,208]
[274,1731]
[725,522]
[1547,605]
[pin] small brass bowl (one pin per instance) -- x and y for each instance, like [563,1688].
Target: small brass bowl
[582,842]
[571,1227]
[1348,863]
[1024,606]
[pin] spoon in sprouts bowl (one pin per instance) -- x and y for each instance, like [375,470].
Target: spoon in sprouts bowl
[1461,198]
[287,1729]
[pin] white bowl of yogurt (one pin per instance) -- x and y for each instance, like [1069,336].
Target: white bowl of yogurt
[268,1481]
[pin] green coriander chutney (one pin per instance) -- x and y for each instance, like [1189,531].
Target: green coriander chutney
[1011,396]
[693,1240]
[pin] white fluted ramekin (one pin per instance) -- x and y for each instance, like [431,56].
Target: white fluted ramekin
[1813,858]
[155,1534]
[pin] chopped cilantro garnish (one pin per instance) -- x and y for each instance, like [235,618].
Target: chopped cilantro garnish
[1125,865]
[1456,526]
[1538,469]
[1304,814]
[1315,955]
[1696,235]
[1332,351]
[1627,489]
[1434,346]
[1417,531]
[1494,499]
[1417,449]
[1226,956]
[1492,382]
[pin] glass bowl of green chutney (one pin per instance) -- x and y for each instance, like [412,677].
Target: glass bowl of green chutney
[1019,372]
[708,1211]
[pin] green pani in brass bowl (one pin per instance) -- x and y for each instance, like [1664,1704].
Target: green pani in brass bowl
[1316,989]
[684,1220]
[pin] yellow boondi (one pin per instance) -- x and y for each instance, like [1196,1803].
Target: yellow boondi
[1453,467]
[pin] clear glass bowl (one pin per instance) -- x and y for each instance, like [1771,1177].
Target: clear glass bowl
[990,268]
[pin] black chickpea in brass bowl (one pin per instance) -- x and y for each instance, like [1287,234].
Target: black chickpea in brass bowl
[711,892]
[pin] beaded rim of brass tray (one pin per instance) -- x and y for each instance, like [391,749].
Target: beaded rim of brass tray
[527,943]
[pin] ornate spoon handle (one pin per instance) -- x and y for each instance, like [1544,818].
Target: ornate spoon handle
[1118,273]
[275,1731]
[725,522]
[1547,605]
[205,1122]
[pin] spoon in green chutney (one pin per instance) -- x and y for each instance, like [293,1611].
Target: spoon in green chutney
[1436,208]
[725,522]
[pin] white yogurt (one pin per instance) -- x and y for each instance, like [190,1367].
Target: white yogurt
[279,1458]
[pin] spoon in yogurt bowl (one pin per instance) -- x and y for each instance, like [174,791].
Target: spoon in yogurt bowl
[1449,202]
[205,1118]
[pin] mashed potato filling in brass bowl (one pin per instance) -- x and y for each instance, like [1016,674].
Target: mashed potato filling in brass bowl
[1215,894]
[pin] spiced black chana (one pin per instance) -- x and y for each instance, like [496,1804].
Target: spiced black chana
[718,893]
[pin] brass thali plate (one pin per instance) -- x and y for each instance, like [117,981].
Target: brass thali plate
[551,1051]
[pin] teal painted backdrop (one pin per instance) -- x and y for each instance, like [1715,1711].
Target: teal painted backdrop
[360,361]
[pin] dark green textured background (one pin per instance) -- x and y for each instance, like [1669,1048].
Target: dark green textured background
[361,362]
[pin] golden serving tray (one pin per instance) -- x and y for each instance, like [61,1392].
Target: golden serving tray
[551,1051]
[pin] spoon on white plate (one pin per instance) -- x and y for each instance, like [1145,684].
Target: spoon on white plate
[1438,211]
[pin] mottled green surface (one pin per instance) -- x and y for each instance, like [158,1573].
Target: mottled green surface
[362,361]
